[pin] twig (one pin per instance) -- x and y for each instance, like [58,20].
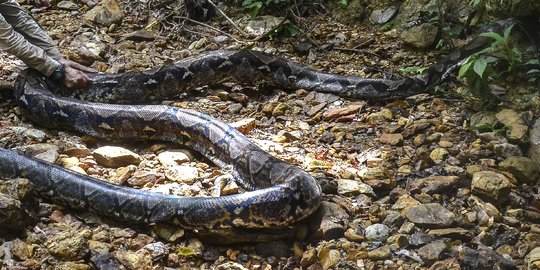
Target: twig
[227,18]
[209,26]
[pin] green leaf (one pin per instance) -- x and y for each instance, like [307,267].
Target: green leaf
[480,66]
[465,67]
[507,32]
[532,71]
[533,62]
[492,35]
[417,70]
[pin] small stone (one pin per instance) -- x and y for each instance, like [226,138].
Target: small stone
[382,16]
[35,134]
[173,158]
[377,232]
[348,187]
[391,139]
[398,240]
[44,151]
[308,258]
[491,186]
[381,253]
[262,24]
[445,144]
[339,112]
[431,215]
[483,118]
[533,259]
[432,251]
[68,245]
[113,156]
[141,178]
[142,259]
[245,125]
[453,233]
[523,168]
[67,5]
[122,174]
[328,222]
[20,250]
[352,235]
[438,155]
[230,188]
[182,174]
[281,109]
[234,108]
[328,258]
[506,150]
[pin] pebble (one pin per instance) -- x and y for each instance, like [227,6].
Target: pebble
[348,187]
[438,155]
[391,139]
[435,184]
[328,257]
[67,5]
[122,174]
[141,178]
[44,151]
[517,130]
[173,158]
[377,232]
[432,215]
[114,156]
[309,257]
[381,253]
[432,251]
[182,174]
[69,245]
[105,13]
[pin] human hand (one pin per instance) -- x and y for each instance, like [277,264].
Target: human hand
[74,75]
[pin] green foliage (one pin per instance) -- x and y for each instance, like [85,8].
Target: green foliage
[286,30]
[480,67]
[343,3]
[257,6]
[497,129]
[414,70]
[474,3]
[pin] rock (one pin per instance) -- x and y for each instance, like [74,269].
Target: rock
[432,251]
[438,155]
[173,158]
[335,113]
[122,174]
[245,125]
[381,253]
[480,257]
[420,239]
[491,186]
[398,240]
[534,138]
[421,36]
[230,188]
[34,134]
[328,222]
[517,129]
[485,211]
[348,187]
[533,259]
[69,245]
[523,168]
[105,13]
[453,233]
[391,139]
[67,5]
[14,216]
[506,150]
[329,257]
[234,108]
[44,151]
[114,156]
[280,109]
[377,232]
[142,259]
[435,184]
[382,16]
[309,257]
[431,215]
[354,235]
[483,118]
[182,174]
[140,35]
[141,178]
[262,24]
[72,266]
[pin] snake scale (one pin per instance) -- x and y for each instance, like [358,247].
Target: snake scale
[278,193]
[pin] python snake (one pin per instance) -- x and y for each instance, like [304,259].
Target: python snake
[279,193]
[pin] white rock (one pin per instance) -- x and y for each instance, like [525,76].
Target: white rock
[183,174]
[114,156]
[173,158]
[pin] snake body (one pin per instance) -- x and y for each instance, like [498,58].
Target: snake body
[279,193]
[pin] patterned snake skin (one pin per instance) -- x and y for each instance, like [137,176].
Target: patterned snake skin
[279,193]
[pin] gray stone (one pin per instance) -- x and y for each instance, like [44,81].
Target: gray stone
[262,24]
[435,184]
[516,128]
[67,5]
[431,215]
[182,174]
[377,232]
[491,186]
[483,118]
[348,187]
[382,16]
[507,150]
[105,13]
[329,222]
[44,151]
[432,251]
[421,36]
[534,138]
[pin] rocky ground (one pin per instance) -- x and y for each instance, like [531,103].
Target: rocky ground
[428,182]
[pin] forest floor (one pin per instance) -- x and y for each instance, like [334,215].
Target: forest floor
[409,184]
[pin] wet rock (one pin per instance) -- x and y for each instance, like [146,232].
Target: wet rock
[523,168]
[377,232]
[44,151]
[391,139]
[262,24]
[432,251]
[245,125]
[173,158]
[421,36]
[328,258]
[69,245]
[491,186]
[431,215]
[67,5]
[381,253]
[435,184]
[113,156]
[105,13]
[348,187]
[382,16]
[182,174]
[507,150]
[329,222]
[517,129]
